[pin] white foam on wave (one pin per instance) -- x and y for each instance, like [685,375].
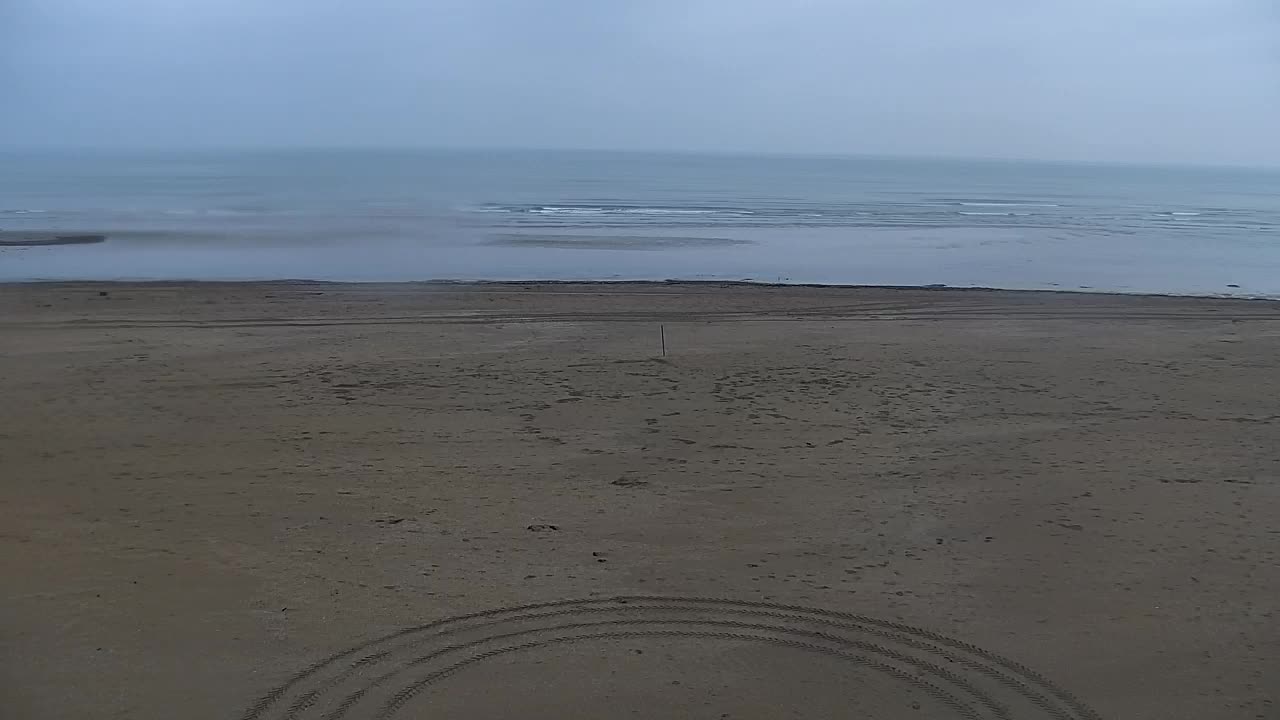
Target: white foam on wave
[1007,204]
[603,211]
[565,211]
[998,214]
[606,210]
[665,211]
[22,211]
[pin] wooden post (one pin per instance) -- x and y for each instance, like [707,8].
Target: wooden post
[662,332]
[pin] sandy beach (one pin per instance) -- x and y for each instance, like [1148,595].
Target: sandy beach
[260,501]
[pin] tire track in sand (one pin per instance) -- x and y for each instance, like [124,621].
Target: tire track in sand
[381,678]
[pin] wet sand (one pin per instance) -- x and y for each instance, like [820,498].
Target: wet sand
[872,502]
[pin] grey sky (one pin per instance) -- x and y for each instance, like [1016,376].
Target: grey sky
[1135,80]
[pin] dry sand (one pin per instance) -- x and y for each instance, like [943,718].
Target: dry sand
[208,489]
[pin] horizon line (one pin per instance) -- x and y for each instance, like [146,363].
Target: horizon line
[777,154]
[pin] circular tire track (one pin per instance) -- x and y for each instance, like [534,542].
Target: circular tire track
[381,678]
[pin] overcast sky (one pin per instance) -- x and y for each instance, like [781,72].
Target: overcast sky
[1123,80]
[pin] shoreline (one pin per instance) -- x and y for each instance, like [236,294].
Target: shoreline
[723,284]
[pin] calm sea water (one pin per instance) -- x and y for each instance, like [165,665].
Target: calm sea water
[417,215]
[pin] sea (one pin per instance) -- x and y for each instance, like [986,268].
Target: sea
[411,215]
